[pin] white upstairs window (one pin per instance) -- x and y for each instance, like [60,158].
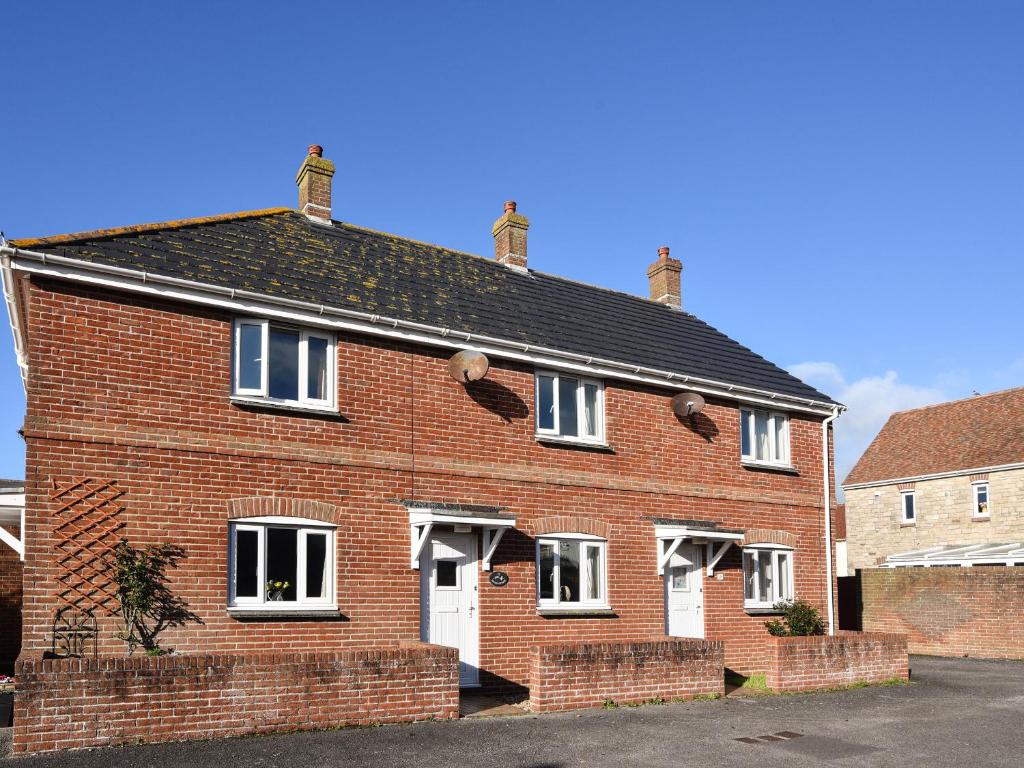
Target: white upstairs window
[908,505]
[278,363]
[569,407]
[981,502]
[764,437]
[767,575]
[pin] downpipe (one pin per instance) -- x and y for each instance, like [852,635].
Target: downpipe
[830,600]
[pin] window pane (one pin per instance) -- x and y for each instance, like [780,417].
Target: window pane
[545,402]
[247,555]
[547,571]
[765,576]
[908,506]
[447,573]
[780,437]
[316,373]
[590,415]
[284,364]
[982,500]
[784,576]
[250,357]
[569,571]
[761,435]
[567,423]
[282,562]
[593,573]
[680,577]
[745,433]
[749,574]
[316,566]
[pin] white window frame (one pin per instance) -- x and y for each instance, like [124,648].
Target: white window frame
[778,455]
[262,394]
[759,601]
[903,507]
[304,527]
[976,489]
[585,540]
[555,433]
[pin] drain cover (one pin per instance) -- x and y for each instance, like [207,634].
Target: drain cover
[780,736]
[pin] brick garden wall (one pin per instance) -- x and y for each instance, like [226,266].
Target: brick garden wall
[10,605]
[813,663]
[579,675]
[75,703]
[948,611]
[135,392]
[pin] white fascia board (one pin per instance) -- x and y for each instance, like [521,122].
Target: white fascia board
[422,517]
[684,532]
[936,476]
[11,301]
[324,316]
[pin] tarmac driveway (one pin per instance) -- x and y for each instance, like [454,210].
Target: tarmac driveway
[957,712]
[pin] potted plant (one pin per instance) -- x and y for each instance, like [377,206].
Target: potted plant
[275,590]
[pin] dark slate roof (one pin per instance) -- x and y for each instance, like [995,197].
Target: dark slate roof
[281,253]
[12,486]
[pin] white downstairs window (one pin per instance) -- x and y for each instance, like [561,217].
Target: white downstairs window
[280,564]
[764,437]
[572,571]
[767,575]
[569,407]
[278,363]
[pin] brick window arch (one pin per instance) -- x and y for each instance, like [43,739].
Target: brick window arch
[769,536]
[267,506]
[571,524]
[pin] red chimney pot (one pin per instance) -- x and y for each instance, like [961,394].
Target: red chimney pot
[663,252]
[316,149]
[510,206]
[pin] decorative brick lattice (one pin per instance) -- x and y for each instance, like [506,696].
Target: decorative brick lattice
[88,521]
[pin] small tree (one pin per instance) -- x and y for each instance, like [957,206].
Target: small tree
[799,618]
[147,605]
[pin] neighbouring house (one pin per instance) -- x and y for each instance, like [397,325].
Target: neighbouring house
[12,510]
[282,394]
[839,533]
[941,485]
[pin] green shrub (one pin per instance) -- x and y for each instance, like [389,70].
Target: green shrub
[799,619]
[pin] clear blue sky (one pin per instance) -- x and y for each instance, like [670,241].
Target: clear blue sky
[844,182]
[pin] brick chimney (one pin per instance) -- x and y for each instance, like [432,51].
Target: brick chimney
[665,277]
[314,180]
[510,237]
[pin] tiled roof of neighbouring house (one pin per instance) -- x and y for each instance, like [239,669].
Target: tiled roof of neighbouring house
[281,253]
[981,431]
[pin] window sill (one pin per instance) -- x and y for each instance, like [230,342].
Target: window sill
[786,469]
[258,403]
[570,442]
[981,518]
[753,610]
[556,611]
[908,525]
[254,612]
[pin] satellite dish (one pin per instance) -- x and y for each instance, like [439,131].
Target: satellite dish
[687,404]
[468,365]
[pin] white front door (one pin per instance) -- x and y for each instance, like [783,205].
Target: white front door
[448,599]
[684,593]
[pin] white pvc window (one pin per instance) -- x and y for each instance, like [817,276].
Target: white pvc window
[982,508]
[572,571]
[281,564]
[908,506]
[282,364]
[764,436]
[569,407]
[767,576]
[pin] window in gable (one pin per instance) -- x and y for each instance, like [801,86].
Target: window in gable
[277,363]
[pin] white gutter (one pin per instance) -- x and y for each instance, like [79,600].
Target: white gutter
[936,476]
[323,315]
[828,517]
[10,299]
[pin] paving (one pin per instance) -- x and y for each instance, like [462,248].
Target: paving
[957,712]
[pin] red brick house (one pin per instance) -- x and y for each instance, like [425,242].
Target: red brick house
[272,390]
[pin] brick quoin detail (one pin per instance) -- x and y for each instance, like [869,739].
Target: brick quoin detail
[78,703]
[948,611]
[769,536]
[265,506]
[571,524]
[813,663]
[578,675]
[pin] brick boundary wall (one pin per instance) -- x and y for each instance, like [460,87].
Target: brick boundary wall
[580,675]
[11,570]
[76,703]
[948,611]
[816,662]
